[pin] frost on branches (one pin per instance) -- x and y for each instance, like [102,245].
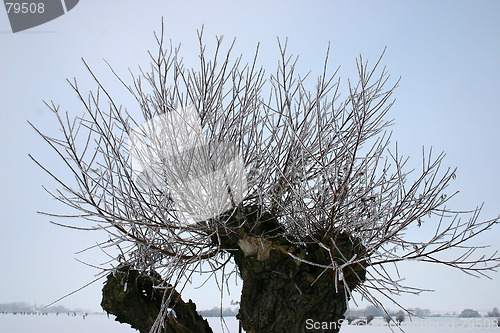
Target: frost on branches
[298,191]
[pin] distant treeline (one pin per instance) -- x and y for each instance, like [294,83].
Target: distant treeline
[470,313]
[215,312]
[374,311]
[25,307]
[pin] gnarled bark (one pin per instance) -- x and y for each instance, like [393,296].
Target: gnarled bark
[280,294]
[130,296]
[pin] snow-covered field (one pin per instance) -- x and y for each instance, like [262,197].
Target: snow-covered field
[63,323]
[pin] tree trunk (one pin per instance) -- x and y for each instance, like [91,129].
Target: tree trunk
[277,296]
[130,296]
[280,294]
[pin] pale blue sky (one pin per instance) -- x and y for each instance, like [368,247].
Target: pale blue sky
[449,97]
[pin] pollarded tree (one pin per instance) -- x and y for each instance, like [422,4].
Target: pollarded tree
[298,189]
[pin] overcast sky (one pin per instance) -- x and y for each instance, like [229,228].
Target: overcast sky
[446,52]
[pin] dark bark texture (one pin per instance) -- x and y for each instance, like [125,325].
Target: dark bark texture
[130,296]
[277,296]
[280,294]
